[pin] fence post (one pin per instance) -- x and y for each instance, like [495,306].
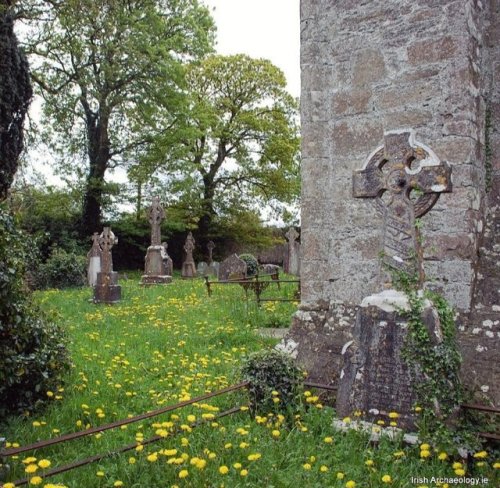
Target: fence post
[207,282]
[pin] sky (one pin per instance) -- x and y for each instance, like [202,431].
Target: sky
[262,29]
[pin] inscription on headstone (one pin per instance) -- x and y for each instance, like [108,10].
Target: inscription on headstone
[188,266]
[155,269]
[107,289]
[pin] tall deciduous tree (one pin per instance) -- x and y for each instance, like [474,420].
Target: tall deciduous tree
[240,145]
[99,65]
[15,97]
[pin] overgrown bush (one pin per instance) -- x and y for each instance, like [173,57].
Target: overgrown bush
[252,264]
[62,270]
[33,354]
[276,382]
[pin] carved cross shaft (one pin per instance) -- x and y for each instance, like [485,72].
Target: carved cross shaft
[189,248]
[210,247]
[156,215]
[398,169]
[107,240]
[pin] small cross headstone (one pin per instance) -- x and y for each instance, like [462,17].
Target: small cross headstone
[155,270]
[398,169]
[375,376]
[94,260]
[292,258]
[210,247]
[188,266]
[107,289]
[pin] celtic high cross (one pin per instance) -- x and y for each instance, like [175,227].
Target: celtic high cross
[391,174]
[107,240]
[156,214]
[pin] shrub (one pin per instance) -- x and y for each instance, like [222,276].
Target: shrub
[62,270]
[34,356]
[272,375]
[252,264]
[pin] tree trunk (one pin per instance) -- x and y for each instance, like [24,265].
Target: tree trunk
[99,155]
[207,213]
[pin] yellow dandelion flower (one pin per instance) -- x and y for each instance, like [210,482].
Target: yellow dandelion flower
[340,475]
[31,468]
[386,478]
[442,456]
[369,462]
[460,472]
[152,458]
[223,470]
[481,455]
[254,457]
[100,474]
[425,454]
[307,466]
[323,468]
[237,465]
[29,460]
[191,418]
[244,472]
[183,473]
[9,485]
[118,483]
[131,460]
[44,463]
[276,433]
[456,465]
[393,415]
[346,420]
[496,465]
[425,447]
[328,440]
[350,484]
[36,480]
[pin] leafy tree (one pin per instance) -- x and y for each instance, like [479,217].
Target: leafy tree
[240,143]
[15,97]
[99,65]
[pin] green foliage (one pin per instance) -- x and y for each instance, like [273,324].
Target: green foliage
[62,270]
[440,393]
[101,67]
[252,264]
[33,351]
[272,374]
[239,113]
[15,97]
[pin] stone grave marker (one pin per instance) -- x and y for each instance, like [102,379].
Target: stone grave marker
[232,268]
[212,268]
[292,258]
[107,289]
[375,376]
[188,266]
[201,268]
[155,271]
[94,260]
[167,260]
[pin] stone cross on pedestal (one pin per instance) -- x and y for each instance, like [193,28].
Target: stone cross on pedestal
[292,261]
[210,247]
[376,377]
[157,268]
[156,214]
[107,289]
[188,266]
[398,171]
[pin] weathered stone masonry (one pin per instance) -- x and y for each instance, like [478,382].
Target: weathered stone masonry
[374,66]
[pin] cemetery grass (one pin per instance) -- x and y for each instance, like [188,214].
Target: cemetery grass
[165,344]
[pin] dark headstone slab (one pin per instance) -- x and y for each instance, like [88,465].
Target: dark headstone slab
[375,378]
[107,289]
[232,268]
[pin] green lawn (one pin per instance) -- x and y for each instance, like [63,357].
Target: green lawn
[165,344]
